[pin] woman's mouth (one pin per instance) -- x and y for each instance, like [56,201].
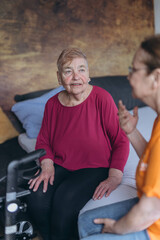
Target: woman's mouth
[76,84]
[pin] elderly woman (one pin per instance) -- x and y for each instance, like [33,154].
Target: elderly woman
[86,150]
[137,218]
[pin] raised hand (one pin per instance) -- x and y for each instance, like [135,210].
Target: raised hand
[127,121]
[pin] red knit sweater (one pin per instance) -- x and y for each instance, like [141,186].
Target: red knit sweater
[84,136]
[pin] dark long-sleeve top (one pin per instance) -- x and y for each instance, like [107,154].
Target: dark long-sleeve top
[87,135]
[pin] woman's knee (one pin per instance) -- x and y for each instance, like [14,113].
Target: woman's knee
[115,211]
[86,225]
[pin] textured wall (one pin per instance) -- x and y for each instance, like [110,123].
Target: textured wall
[34,32]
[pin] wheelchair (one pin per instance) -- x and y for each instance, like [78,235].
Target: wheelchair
[13,189]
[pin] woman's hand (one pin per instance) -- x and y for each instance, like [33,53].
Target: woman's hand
[108,224]
[47,175]
[142,215]
[108,185]
[127,121]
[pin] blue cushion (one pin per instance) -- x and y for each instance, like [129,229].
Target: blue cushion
[30,112]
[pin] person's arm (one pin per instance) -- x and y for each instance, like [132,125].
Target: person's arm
[138,141]
[140,217]
[47,165]
[128,123]
[119,145]
[44,134]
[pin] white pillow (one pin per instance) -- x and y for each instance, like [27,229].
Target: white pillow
[28,144]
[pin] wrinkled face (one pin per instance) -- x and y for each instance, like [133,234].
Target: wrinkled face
[139,79]
[74,76]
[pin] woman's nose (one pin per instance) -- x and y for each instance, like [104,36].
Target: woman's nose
[75,75]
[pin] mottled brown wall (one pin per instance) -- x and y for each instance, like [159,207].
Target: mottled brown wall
[33,33]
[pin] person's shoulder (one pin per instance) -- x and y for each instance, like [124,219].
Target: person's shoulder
[103,97]
[101,93]
[52,100]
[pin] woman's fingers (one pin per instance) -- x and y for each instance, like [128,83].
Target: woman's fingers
[51,179]
[36,184]
[103,187]
[135,112]
[127,120]
[45,185]
[99,192]
[124,123]
[121,106]
[37,172]
[108,224]
[108,192]
[99,220]
[106,187]
[32,182]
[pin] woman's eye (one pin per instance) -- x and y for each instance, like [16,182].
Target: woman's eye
[67,72]
[82,70]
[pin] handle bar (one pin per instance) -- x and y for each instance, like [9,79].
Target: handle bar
[11,204]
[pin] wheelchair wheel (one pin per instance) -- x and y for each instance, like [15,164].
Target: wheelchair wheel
[24,230]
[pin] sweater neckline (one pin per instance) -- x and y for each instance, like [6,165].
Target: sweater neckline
[78,105]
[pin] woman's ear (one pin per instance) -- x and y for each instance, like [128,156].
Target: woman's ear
[157,78]
[158,74]
[59,78]
[89,79]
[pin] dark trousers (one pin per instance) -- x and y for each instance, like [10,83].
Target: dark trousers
[55,212]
